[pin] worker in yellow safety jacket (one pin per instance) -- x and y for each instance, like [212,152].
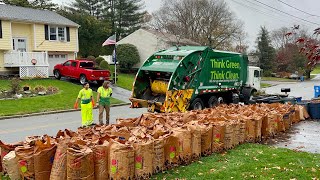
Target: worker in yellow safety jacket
[87,104]
[103,100]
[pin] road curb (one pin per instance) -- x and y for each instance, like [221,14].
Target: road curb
[52,112]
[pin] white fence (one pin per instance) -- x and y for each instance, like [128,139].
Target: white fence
[18,59]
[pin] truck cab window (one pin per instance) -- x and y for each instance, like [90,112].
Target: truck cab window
[74,64]
[67,63]
[256,73]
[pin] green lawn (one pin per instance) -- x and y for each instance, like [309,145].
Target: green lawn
[124,80]
[250,161]
[61,101]
[265,85]
[316,70]
[277,79]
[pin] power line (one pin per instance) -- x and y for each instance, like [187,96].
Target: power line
[287,13]
[298,9]
[279,13]
[257,10]
[265,13]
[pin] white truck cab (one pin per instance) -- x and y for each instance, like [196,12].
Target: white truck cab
[254,77]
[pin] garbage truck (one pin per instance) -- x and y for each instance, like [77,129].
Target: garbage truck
[193,77]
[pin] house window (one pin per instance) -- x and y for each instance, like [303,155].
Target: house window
[57,33]
[56,56]
[53,33]
[50,56]
[63,56]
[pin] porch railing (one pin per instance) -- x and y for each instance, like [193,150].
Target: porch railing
[19,59]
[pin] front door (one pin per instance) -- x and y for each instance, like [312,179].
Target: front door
[257,79]
[19,44]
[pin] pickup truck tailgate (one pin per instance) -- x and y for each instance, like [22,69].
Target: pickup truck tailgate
[100,73]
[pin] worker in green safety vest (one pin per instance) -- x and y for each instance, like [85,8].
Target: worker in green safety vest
[103,100]
[87,103]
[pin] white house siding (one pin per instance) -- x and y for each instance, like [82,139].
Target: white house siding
[146,43]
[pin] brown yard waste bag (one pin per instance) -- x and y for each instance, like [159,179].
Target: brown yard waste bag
[4,150]
[144,155]
[121,161]
[287,120]
[10,166]
[297,114]
[218,136]
[80,163]
[158,158]
[257,127]
[171,151]
[242,131]
[228,135]
[305,112]
[101,160]
[195,130]
[59,166]
[206,139]
[25,156]
[184,146]
[43,159]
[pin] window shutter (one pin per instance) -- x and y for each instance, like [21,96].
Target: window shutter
[68,34]
[0,29]
[46,32]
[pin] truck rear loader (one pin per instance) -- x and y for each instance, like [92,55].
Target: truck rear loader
[193,77]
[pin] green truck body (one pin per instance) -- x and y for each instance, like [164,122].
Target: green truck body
[190,77]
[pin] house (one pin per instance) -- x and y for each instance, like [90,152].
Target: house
[33,41]
[149,41]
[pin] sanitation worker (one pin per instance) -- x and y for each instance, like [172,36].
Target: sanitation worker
[87,104]
[103,100]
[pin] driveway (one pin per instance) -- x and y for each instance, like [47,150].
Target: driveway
[298,89]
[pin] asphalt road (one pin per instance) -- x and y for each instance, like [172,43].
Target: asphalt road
[13,130]
[298,89]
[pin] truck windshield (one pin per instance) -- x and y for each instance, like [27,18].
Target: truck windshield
[86,65]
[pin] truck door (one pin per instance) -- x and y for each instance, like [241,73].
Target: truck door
[256,79]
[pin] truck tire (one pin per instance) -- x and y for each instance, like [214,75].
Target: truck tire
[213,101]
[248,95]
[57,74]
[83,79]
[197,104]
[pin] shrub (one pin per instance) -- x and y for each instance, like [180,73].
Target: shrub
[104,65]
[267,73]
[127,56]
[98,60]
[15,85]
[52,89]
[39,88]
[91,58]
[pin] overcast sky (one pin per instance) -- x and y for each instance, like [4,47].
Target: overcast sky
[255,14]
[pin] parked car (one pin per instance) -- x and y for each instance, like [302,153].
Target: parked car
[294,76]
[82,70]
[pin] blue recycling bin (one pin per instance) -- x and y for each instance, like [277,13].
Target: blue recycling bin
[298,99]
[316,91]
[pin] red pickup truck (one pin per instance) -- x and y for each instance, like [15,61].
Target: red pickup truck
[82,70]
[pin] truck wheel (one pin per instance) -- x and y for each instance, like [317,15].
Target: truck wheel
[197,104]
[57,74]
[213,101]
[100,83]
[83,79]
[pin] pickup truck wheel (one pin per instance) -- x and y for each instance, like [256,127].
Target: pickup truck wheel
[83,79]
[197,104]
[57,74]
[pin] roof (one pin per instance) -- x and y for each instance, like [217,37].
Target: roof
[170,38]
[17,13]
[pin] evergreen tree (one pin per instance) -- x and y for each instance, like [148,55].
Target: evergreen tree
[266,51]
[37,4]
[91,7]
[125,16]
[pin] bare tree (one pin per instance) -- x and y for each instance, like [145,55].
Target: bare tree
[208,22]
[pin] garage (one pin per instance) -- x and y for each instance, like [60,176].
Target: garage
[55,59]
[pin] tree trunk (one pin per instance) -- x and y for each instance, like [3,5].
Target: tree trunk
[308,74]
